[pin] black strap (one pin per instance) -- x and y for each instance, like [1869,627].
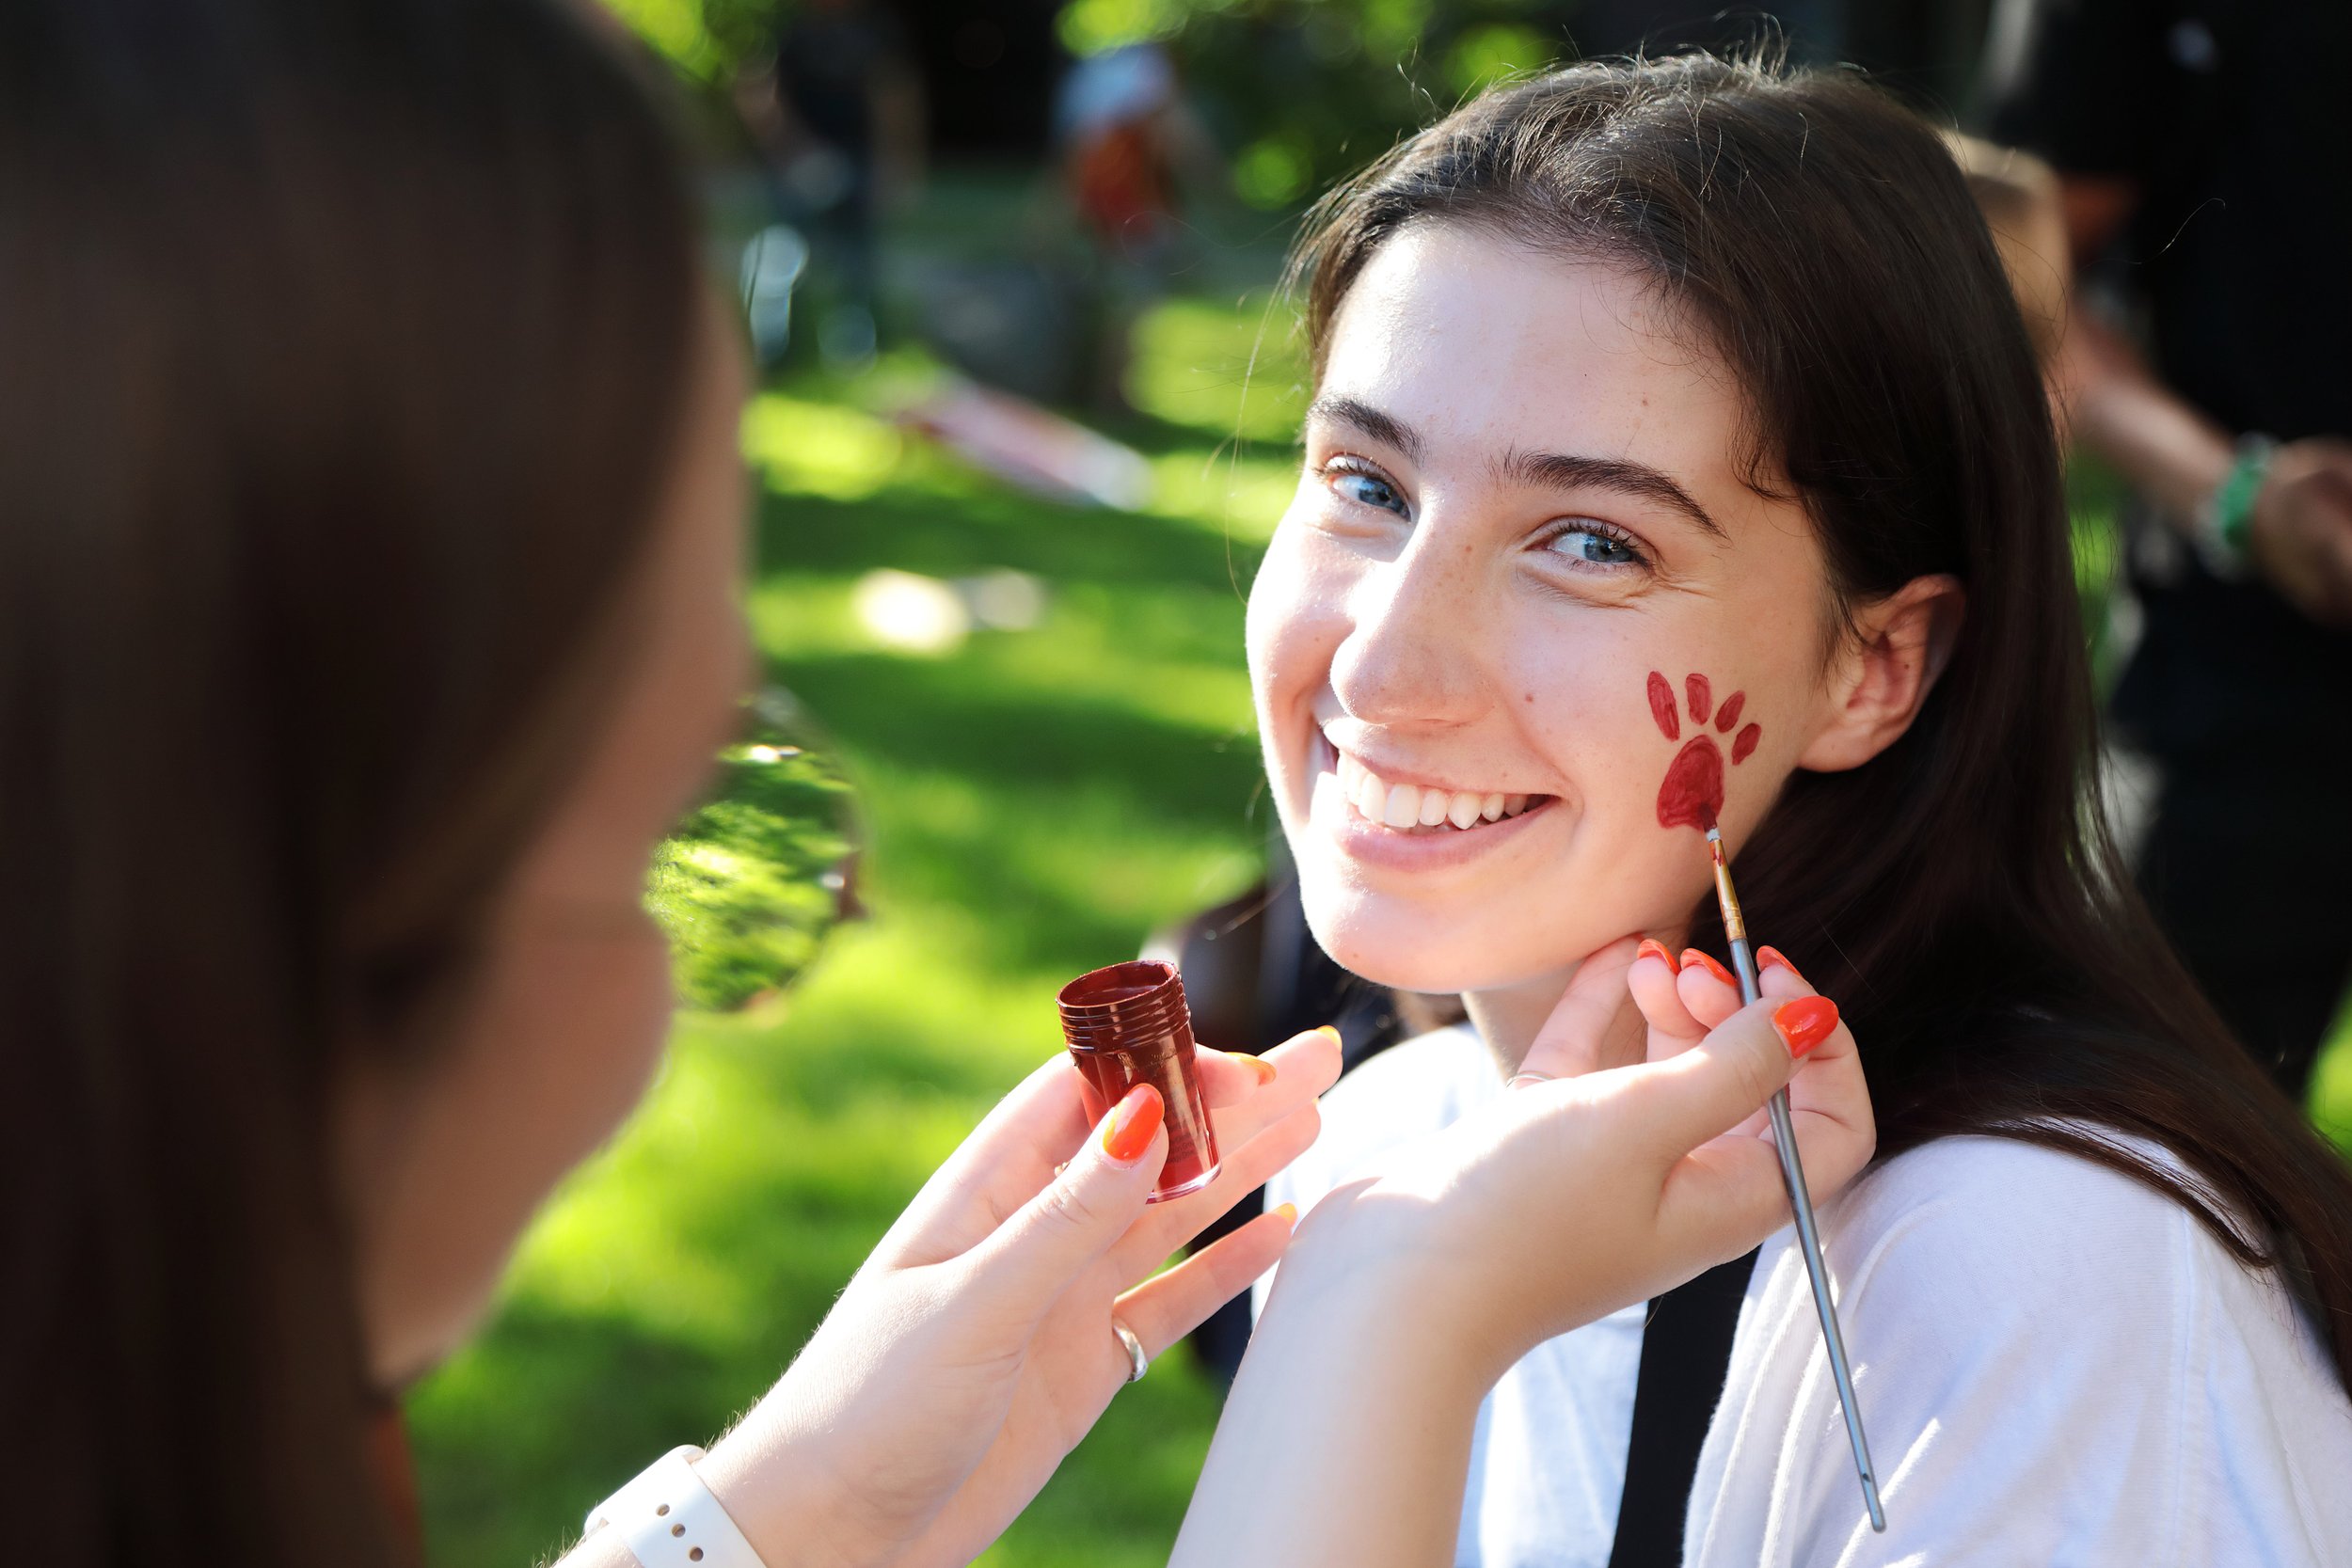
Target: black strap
[1686,1350]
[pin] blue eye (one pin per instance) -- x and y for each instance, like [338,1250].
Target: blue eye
[1367,489]
[1590,544]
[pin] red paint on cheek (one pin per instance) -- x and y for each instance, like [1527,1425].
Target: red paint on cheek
[1662,707]
[1693,795]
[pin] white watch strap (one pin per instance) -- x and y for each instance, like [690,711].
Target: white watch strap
[668,1518]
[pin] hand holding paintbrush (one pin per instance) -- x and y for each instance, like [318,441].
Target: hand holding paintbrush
[1602,1179]
[1682,1004]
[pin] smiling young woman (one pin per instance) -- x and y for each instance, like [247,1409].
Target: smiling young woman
[1678,456]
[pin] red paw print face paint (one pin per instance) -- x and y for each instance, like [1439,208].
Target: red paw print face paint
[1692,793]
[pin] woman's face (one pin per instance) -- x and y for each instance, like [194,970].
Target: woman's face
[1524,628]
[446,1152]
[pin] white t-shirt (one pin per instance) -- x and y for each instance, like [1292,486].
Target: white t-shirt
[1548,1458]
[2056,1364]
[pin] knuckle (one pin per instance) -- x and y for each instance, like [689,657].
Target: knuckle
[1071,1203]
[1755,1079]
[1066,1206]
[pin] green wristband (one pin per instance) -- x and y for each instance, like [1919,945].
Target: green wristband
[2230,512]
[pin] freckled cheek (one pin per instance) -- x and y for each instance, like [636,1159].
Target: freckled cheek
[1569,691]
[1605,761]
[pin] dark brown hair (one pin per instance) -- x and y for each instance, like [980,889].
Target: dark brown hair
[341,347]
[1958,895]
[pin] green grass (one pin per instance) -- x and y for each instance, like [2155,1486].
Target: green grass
[1031,805]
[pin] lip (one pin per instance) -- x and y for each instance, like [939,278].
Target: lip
[1375,844]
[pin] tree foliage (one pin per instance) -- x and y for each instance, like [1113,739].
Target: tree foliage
[1296,92]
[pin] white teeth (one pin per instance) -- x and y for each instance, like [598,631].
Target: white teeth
[1376,800]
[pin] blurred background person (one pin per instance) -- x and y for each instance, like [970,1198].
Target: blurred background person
[1130,148]
[836,114]
[2196,149]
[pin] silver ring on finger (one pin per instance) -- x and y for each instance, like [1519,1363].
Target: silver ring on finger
[1138,1363]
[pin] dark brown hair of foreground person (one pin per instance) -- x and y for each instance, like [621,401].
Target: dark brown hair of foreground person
[1959,894]
[340,342]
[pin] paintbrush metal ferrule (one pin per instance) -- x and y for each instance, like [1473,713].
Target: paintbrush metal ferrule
[1735,924]
[1800,1201]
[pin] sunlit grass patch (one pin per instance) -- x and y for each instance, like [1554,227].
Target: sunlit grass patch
[1223,370]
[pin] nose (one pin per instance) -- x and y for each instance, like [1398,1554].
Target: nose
[1410,658]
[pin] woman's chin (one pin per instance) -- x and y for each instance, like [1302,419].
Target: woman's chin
[1411,958]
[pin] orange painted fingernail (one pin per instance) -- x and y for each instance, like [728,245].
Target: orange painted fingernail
[1132,1124]
[1804,1021]
[1653,948]
[1288,1211]
[1332,1030]
[1259,1065]
[1768,957]
[1693,955]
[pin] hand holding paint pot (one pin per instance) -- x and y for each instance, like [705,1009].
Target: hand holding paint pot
[977,1345]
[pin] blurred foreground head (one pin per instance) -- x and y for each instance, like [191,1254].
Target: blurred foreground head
[347,355]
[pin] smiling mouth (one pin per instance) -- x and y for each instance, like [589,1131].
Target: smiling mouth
[1423,809]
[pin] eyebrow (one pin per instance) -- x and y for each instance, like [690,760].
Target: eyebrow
[1563,471]
[1373,422]
[1549,470]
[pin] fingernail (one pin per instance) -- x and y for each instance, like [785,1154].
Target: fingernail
[1653,948]
[1289,1212]
[1259,1065]
[1768,957]
[1693,955]
[1332,1030]
[1132,1123]
[1804,1021]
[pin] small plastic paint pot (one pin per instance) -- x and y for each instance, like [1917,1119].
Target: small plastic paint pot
[1128,1024]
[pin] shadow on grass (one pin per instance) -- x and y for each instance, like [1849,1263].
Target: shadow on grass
[919,716]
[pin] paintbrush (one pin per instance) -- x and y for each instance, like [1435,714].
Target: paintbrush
[1792,1174]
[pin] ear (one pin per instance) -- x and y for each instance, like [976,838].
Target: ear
[1884,673]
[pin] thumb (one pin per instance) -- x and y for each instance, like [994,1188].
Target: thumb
[1049,1240]
[1594,1022]
[1715,1085]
